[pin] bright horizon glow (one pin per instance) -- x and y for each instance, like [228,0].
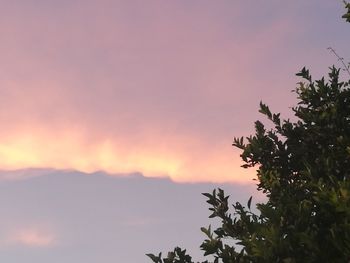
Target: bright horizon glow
[40,148]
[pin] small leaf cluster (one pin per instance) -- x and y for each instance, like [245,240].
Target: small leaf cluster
[176,256]
[346,16]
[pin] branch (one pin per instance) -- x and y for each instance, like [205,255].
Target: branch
[345,67]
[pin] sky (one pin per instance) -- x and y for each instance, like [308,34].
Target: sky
[116,115]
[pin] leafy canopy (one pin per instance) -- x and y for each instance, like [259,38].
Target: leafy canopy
[304,170]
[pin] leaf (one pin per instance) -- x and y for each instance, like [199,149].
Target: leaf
[207,195]
[249,202]
[264,109]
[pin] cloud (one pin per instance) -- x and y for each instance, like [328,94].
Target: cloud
[183,159]
[101,94]
[32,237]
[67,216]
[159,90]
[96,92]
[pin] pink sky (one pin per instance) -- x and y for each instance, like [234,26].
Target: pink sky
[158,88]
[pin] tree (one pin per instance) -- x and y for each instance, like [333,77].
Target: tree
[346,16]
[304,171]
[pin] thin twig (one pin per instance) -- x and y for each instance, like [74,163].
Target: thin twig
[345,67]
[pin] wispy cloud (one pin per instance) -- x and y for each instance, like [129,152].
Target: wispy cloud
[32,237]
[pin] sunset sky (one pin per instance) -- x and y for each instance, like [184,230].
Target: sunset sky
[100,100]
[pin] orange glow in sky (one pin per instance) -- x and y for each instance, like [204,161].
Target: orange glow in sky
[71,150]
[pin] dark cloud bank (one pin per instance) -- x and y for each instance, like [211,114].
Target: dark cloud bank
[100,218]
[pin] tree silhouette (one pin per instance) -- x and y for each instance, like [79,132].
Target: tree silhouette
[304,171]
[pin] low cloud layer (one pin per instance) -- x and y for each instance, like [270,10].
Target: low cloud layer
[71,217]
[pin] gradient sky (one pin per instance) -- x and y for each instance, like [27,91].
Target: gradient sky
[153,88]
